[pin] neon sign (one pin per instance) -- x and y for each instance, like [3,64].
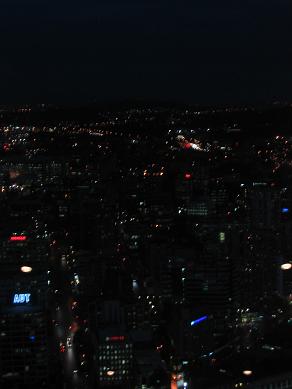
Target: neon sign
[195,322]
[18,238]
[21,298]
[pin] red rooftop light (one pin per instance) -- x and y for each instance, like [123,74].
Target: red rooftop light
[188,176]
[18,238]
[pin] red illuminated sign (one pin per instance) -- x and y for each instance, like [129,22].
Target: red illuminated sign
[115,338]
[17,238]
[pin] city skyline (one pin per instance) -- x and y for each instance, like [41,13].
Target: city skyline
[133,258]
[145,194]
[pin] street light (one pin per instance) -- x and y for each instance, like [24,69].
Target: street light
[286,266]
[247,372]
[26,269]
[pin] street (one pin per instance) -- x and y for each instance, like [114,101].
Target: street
[63,319]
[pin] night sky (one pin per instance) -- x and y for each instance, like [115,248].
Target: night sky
[196,51]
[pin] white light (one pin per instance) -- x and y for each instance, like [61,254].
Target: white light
[110,373]
[286,266]
[247,372]
[26,269]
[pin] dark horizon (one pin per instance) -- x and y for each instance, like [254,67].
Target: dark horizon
[124,104]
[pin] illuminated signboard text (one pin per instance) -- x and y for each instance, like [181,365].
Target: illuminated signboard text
[21,298]
[17,238]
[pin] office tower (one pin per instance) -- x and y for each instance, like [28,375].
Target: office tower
[25,345]
[115,349]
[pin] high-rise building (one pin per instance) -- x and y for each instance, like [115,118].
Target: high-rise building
[115,349]
[25,344]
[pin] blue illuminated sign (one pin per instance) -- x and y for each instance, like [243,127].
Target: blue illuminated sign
[285,210]
[195,322]
[21,298]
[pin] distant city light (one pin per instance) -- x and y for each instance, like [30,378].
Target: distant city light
[19,238]
[285,210]
[222,236]
[286,266]
[135,286]
[26,269]
[188,176]
[110,373]
[197,321]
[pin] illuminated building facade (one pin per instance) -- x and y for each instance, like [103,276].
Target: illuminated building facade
[115,362]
